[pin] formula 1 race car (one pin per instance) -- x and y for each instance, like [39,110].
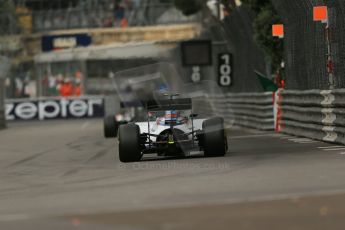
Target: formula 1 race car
[111,125]
[171,130]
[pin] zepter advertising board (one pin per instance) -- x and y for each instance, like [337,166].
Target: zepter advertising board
[54,108]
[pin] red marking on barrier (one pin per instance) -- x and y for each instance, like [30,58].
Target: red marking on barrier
[279,112]
[278,30]
[320,13]
[330,66]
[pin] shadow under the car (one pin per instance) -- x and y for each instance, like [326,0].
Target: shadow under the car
[165,158]
[154,157]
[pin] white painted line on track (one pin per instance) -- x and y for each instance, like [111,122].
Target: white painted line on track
[285,137]
[300,139]
[335,149]
[85,125]
[330,147]
[252,136]
[303,140]
[307,142]
[14,217]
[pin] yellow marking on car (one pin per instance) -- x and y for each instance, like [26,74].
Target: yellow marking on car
[171,140]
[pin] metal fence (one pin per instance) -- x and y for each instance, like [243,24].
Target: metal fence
[233,35]
[305,43]
[8,24]
[247,57]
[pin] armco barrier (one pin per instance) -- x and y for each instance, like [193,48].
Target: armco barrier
[318,114]
[5,65]
[252,110]
[2,105]
[54,108]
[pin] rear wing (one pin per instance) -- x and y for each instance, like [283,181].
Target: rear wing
[169,104]
[130,104]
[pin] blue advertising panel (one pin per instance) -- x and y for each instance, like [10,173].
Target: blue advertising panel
[65,41]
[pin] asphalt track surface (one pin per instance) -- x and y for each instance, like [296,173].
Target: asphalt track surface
[65,175]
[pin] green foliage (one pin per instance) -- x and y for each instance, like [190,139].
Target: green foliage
[188,7]
[264,17]
[7,17]
[6,6]
[255,5]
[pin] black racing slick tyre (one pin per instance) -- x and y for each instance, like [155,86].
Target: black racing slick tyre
[129,143]
[111,127]
[214,140]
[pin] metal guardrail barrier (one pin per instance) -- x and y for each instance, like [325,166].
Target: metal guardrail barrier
[4,69]
[2,106]
[317,114]
[251,110]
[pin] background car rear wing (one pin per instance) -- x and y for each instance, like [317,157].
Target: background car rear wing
[169,104]
[131,104]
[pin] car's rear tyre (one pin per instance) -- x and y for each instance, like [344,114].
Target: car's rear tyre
[129,143]
[214,139]
[111,127]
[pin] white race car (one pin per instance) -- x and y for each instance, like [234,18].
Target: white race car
[171,130]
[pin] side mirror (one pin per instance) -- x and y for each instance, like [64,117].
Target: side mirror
[193,115]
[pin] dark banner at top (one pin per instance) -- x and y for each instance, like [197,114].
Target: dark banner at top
[67,41]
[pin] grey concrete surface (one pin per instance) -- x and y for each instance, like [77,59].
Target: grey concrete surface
[62,175]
